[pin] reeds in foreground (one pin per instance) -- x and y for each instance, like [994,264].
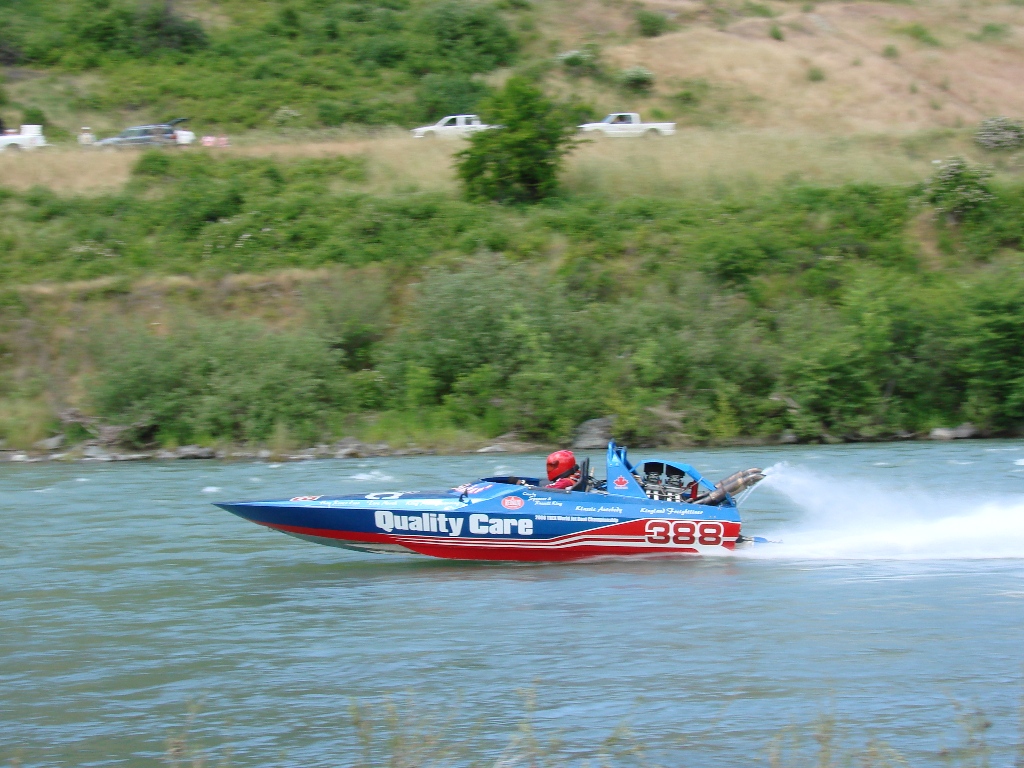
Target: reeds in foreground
[398,734]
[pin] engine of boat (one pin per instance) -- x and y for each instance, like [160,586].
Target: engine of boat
[732,485]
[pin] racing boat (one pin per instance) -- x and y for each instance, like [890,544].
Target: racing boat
[655,507]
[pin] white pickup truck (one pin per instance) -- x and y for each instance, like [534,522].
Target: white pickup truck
[451,127]
[30,137]
[628,124]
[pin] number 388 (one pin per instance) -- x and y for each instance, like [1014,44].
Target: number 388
[683,532]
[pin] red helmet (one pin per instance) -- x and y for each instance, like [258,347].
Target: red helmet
[560,464]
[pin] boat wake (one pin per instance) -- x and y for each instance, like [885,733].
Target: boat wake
[848,519]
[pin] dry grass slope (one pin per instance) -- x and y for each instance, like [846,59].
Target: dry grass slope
[974,71]
[696,160]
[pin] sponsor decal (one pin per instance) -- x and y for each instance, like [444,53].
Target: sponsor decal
[472,488]
[385,495]
[304,498]
[512,502]
[620,482]
[577,519]
[541,501]
[434,504]
[669,511]
[433,522]
[500,526]
[427,522]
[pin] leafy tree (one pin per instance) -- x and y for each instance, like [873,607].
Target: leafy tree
[519,162]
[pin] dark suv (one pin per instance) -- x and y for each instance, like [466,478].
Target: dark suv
[163,134]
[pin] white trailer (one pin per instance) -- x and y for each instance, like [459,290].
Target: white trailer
[30,137]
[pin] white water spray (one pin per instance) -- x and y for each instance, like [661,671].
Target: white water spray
[856,520]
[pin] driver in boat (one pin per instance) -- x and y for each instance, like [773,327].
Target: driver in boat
[563,471]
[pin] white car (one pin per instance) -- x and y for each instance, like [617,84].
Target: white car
[628,124]
[451,127]
[30,137]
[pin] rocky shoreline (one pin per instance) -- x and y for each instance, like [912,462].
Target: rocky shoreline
[53,449]
[590,436]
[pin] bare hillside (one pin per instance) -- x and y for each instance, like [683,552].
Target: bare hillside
[864,67]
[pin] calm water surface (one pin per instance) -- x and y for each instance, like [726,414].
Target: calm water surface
[895,602]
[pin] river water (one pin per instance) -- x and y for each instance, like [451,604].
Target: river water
[893,609]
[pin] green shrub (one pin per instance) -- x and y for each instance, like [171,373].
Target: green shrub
[891,52]
[152,163]
[815,74]
[751,8]
[920,33]
[776,33]
[1000,133]
[650,23]
[33,116]
[693,93]
[518,162]
[469,37]
[585,61]
[992,32]
[385,50]
[142,30]
[637,79]
[330,113]
[220,380]
[959,189]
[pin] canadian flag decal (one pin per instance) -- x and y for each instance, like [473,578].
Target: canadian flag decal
[620,482]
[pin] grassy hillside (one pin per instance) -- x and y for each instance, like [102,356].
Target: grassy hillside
[780,267]
[239,64]
[834,67]
[853,311]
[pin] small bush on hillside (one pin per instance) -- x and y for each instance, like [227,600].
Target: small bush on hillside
[815,74]
[118,27]
[1000,133]
[776,33]
[992,32]
[330,113]
[221,379]
[757,9]
[33,116]
[958,190]
[470,38]
[585,61]
[152,163]
[920,33]
[891,52]
[518,162]
[693,93]
[637,79]
[651,24]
